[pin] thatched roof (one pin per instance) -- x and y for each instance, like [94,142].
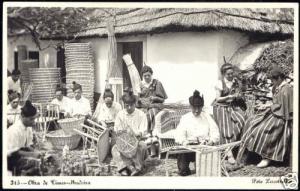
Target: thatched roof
[141,21]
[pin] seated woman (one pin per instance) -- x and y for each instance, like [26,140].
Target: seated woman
[13,109]
[152,92]
[269,132]
[80,106]
[130,120]
[106,112]
[228,108]
[196,127]
[63,102]
[20,142]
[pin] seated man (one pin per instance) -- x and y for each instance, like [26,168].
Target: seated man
[13,81]
[136,120]
[106,112]
[63,102]
[21,153]
[13,109]
[196,127]
[80,106]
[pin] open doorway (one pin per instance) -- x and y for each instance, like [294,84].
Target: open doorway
[136,51]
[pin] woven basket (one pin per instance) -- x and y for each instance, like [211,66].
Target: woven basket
[59,139]
[127,144]
[68,124]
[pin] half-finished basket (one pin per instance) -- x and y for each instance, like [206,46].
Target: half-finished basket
[127,144]
[59,139]
[68,124]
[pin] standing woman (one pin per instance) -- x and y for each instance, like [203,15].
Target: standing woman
[269,133]
[152,92]
[228,108]
[13,108]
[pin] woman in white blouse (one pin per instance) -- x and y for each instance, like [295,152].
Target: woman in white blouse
[13,108]
[196,127]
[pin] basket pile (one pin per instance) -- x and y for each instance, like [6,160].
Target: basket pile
[68,124]
[25,67]
[80,68]
[45,81]
[59,139]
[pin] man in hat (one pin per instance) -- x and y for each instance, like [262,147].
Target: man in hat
[80,106]
[13,81]
[20,151]
[130,120]
[196,127]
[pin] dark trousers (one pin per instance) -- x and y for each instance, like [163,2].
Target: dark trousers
[183,162]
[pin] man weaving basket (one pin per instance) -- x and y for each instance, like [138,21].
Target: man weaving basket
[196,127]
[129,152]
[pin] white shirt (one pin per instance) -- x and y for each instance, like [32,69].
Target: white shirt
[103,113]
[11,84]
[64,104]
[137,121]
[219,85]
[202,127]
[18,136]
[13,114]
[80,107]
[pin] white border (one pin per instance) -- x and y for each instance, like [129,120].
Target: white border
[152,182]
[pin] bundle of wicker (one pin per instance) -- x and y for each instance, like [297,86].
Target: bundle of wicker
[280,54]
[68,124]
[59,139]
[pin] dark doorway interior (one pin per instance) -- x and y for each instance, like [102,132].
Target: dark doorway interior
[16,60]
[61,63]
[34,55]
[136,51]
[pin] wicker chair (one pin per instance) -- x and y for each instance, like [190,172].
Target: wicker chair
[166,123]
[95,137]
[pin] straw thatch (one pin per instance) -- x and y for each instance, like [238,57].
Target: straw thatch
[143,21]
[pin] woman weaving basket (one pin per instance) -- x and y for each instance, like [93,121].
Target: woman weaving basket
[21,155]
[196,127]
[269,132]
[129,152]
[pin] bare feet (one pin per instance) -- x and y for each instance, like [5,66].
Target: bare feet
[263,163]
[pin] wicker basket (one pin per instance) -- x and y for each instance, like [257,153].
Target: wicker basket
[59,139]
[68,124]
[127,144]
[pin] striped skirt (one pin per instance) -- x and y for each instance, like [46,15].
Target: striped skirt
[266,135]
[230,122]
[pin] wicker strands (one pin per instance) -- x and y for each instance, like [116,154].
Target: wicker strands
[127,144]
[80,68]
[68,124]
[44,82]
[25,67]
[59,139]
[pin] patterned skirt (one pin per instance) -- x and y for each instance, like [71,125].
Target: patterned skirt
[266,135]
[230,122]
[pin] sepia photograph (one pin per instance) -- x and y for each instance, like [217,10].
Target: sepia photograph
[109,95]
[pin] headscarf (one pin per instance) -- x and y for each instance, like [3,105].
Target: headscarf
[76,86]
[15,72]
[226,67]
[276,72]
[12,95]
[128,96]
[108,93]
[196,99]
[146,69]
[28,110]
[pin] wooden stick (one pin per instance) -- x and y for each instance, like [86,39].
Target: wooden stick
[84,134]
